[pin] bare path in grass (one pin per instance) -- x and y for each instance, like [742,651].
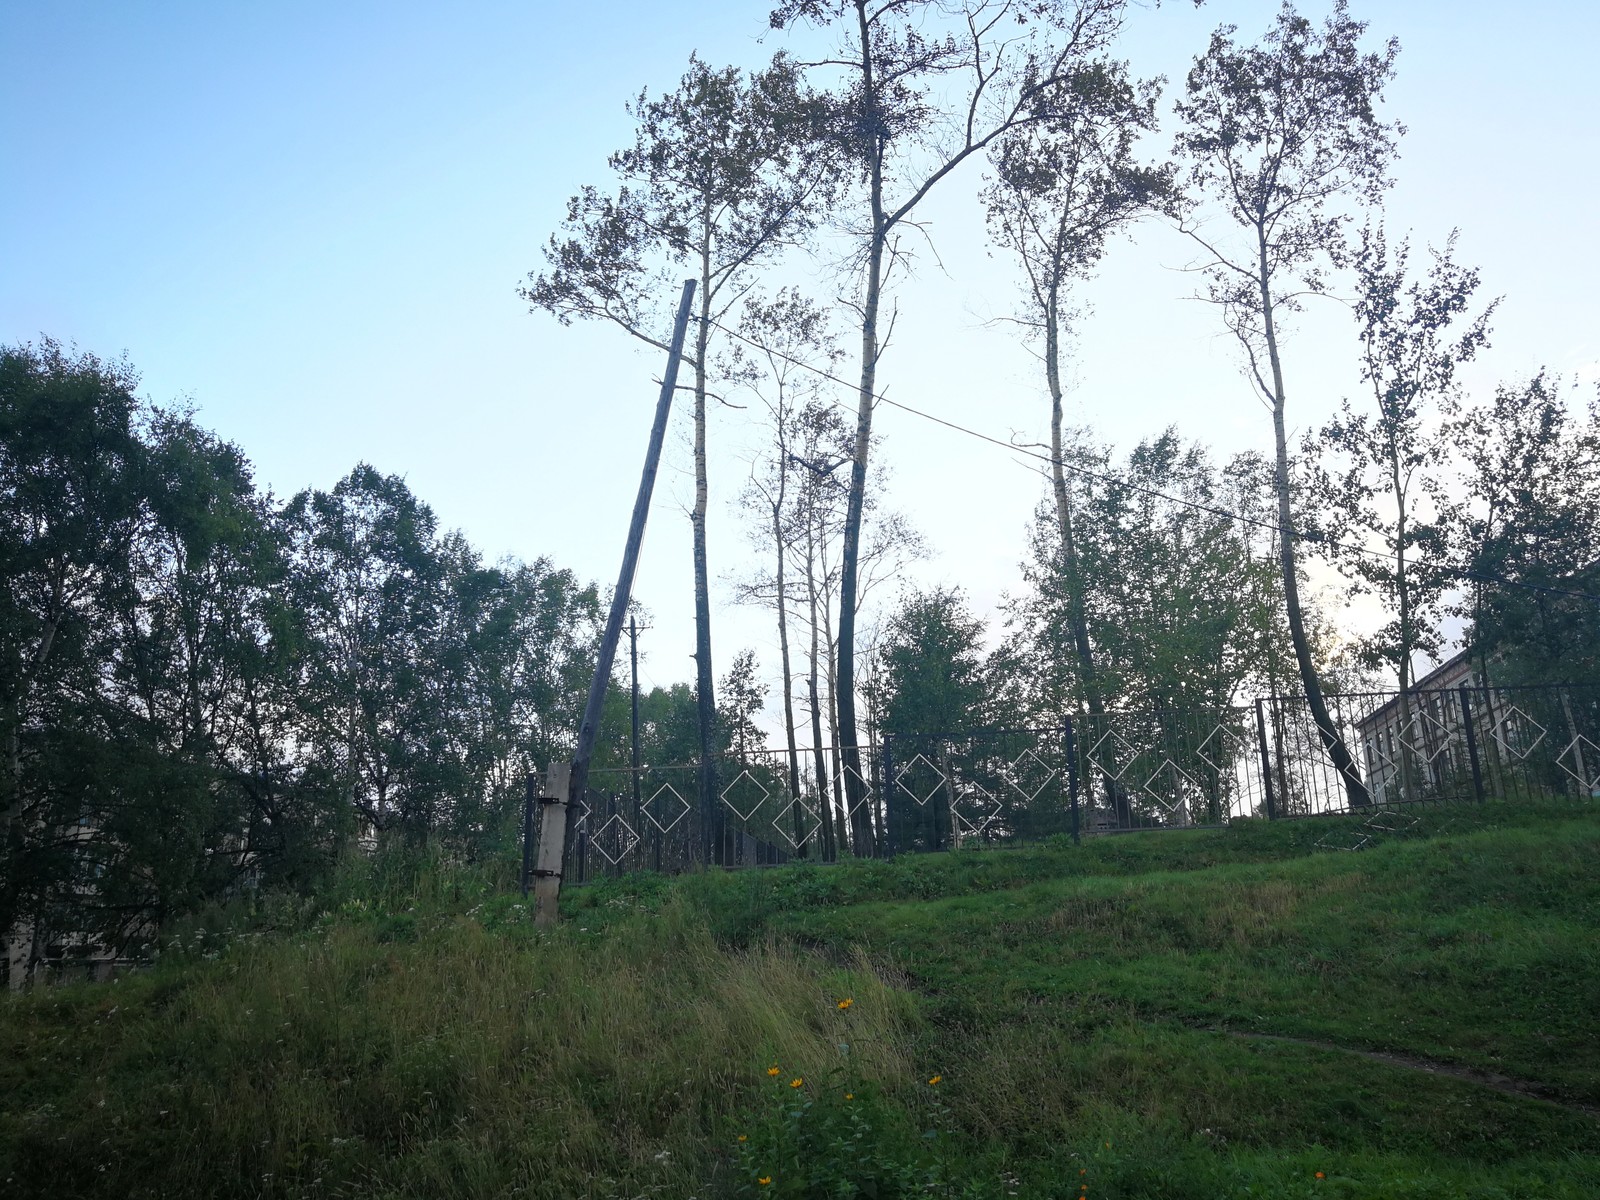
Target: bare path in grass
[1488,1079]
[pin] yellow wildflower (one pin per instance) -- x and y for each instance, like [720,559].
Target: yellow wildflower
[934,1082]
[764,1180]
[845,1003]
[849,1095]
[796,1082]
[772,1071]
[742,1138]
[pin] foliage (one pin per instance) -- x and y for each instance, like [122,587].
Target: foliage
[204,691]
[1389,481]
[1529,532]
[1180,594]
[932,676]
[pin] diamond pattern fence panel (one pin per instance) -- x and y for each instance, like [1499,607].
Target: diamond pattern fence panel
[1463,743]
[1122,771]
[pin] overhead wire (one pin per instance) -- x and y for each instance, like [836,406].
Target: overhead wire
[1141,489]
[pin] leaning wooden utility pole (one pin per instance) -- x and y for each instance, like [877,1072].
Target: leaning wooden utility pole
[562,794]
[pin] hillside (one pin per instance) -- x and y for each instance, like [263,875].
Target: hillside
[1208,1013]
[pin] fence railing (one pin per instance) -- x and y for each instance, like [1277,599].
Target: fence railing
[1462,743]
[1120,771]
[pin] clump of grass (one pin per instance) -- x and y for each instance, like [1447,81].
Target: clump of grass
[459,1062]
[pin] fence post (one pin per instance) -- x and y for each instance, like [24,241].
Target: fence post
[1266,758]
[889,843]
[1472,743]
[553,820]
[1072,780]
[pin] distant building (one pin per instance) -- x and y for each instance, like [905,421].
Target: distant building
[1430,738]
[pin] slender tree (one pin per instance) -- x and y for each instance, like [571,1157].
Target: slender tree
[1061,189]
[1387,484]
[924,86]
[724,173]
[787,335]
[1284,138]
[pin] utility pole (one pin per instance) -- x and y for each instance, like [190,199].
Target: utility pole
[562,795]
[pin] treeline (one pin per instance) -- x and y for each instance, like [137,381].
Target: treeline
[1281,157]
[204,687]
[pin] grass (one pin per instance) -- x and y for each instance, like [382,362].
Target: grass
[1091,1014]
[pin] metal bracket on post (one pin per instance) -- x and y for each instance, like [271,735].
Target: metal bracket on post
[552,843]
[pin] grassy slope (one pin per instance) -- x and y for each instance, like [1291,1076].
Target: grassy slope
[1083,1006]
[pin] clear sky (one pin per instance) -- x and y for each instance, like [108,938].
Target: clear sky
[309,221]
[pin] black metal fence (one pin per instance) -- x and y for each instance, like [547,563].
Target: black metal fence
[1120,771]
[1462,743]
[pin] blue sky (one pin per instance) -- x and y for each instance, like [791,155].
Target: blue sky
[309,221]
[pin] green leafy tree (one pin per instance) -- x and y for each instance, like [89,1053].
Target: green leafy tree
[742,696]
[929,683]
[1528,533]
[71,467]
[1380,476]
[367,579]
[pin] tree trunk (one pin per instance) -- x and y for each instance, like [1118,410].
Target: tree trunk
[846,697]
[841,790]
[705,694]
[1355,790]
[783,652]
[830,847]
[1077,615]
[1408,771]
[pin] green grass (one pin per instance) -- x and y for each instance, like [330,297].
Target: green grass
[1093,1014]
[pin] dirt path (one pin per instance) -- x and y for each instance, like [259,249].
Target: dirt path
[1488,1079]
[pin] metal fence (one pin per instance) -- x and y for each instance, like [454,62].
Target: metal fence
[1462,743]
[1100,774]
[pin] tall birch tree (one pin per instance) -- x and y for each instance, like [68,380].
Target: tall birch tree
[1283,138]
[723,174]
[1060,190]
[922,87]
[1386,486]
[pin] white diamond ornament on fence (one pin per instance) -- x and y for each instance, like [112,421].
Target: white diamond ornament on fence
[1173,788]
[900,779]
[1584,756]
[745,795]
[973,811]
[1426,736]
[614,839]
[784,823]
[1026,768]
[843,779]
[1511,732]
[1112,742]
[1221,748]
[659,809]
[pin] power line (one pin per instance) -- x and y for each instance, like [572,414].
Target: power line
[1117,481]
